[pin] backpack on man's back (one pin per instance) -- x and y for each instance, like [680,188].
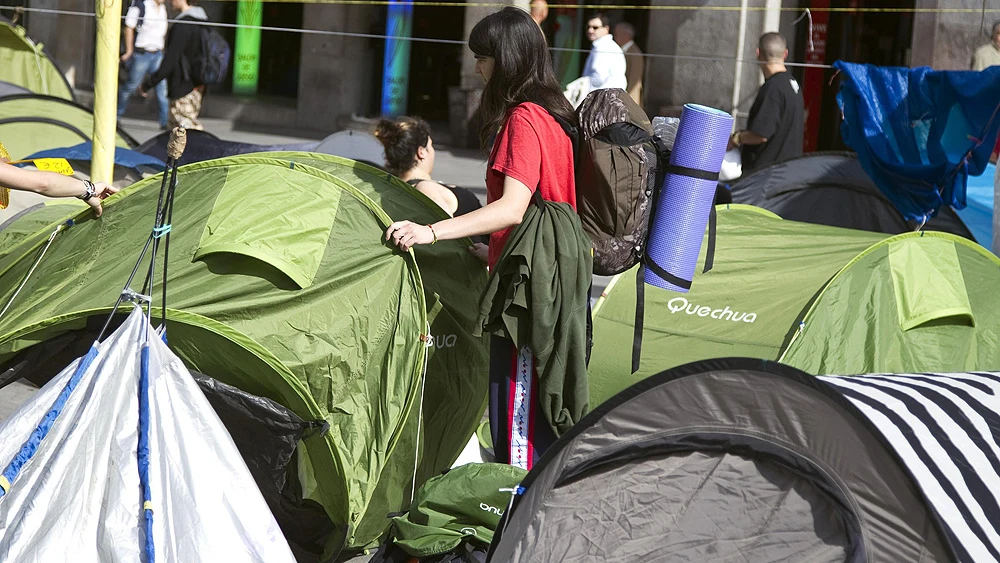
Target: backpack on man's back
[212,63]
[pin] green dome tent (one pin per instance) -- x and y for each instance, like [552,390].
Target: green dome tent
[24,63]
[279,283]
[34,123]
[458,366]
[822,299]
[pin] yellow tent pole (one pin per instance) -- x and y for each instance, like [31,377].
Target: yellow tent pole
[106,89]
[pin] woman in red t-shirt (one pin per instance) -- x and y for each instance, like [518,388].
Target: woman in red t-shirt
[531,152]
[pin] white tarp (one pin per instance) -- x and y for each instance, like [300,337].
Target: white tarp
[79,497]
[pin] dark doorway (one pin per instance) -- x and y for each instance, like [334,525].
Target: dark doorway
[434,67]
[280,51]
[878,38]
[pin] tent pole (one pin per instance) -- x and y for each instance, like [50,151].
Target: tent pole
[740,44]
[772,15]
[105,89]
[996,211]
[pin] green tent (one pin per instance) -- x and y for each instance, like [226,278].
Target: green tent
[33,123]
[24,63]
[822,299]
[279,283]
[458,367]
[464,505]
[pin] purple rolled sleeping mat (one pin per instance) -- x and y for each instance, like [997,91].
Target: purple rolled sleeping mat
[683,207]
[685,201]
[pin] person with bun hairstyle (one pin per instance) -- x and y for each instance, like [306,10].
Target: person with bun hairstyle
[531,153]
[409,154]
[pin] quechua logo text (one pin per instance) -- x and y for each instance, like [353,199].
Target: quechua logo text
[682,305]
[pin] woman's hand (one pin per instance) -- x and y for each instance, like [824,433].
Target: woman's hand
[407,234]
[102,191]
[481,251]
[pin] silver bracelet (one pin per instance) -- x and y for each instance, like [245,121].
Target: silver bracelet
[91,190]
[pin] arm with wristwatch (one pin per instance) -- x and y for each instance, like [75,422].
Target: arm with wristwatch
[741,138]
[51,184]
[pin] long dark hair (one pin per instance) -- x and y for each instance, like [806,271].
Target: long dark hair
[522,71]
[401,139]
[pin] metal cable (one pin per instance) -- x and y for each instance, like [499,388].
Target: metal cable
[414,39]
[641,7]
[38,260]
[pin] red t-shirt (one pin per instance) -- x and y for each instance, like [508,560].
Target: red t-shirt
[533,149]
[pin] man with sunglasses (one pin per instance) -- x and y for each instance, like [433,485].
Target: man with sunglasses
[605,67]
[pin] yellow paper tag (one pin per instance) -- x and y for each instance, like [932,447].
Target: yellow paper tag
[57,165]
[4,192]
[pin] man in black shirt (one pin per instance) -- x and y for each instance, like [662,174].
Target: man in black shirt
[184,43]
[774,130]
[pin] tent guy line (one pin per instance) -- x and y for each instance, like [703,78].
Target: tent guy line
[639,7]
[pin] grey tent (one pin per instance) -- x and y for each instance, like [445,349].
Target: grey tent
[831,188]
[749,460]
[8,89]
[202,146]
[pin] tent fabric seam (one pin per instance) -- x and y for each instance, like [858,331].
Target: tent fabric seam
[915,322]
[427,202]
[30,447]
[293,272]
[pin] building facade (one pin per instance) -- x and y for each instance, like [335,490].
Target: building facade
[324,82]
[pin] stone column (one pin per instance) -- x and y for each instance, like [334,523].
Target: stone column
[924,34]
[464,100]
[68,39]
[946,40]
[335,75]
[672,82]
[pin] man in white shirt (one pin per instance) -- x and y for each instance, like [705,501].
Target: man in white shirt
[605,65]
[988,55]
[145,35]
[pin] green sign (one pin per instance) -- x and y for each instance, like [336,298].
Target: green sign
[246,55]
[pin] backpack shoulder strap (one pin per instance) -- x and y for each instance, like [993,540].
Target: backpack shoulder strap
[141,4]
[572,131]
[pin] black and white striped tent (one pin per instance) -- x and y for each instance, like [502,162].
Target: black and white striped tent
[748,460]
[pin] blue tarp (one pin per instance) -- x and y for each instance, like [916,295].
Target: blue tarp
[83,152]
[978,213]
[919,133]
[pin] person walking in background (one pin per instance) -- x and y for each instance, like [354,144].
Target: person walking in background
[635,63]
[182,50]
[988,55]
[605,66]
[145,38]
[775,128]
